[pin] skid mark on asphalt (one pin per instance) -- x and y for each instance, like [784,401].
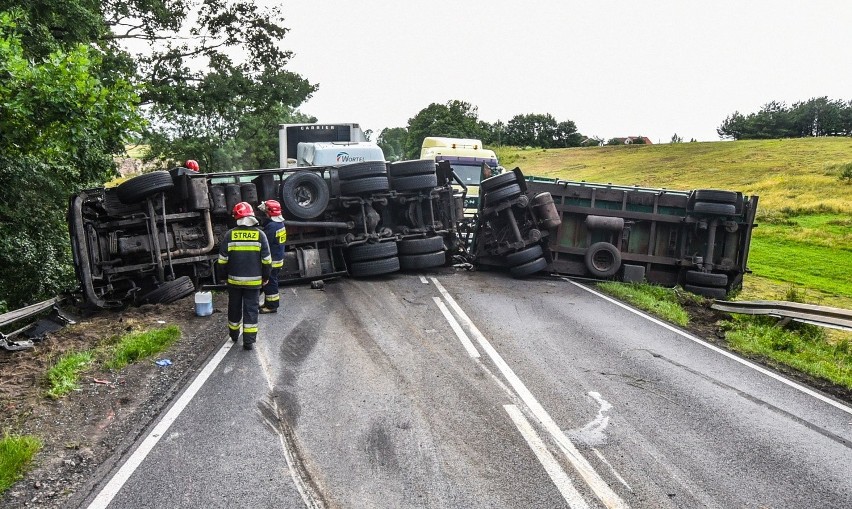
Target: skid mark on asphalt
[380,450]
[601,489]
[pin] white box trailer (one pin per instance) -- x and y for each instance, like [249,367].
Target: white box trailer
[290,135]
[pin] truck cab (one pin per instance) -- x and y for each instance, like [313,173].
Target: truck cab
[469,160]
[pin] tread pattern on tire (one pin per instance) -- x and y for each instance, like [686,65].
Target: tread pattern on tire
[716,196]
[498,181]
[714,209]
[504,193]
[364,186]
[699,278]
[529,268]
[420,246]
[409,168]
[170,291]
[523,256]
[415,182]
[357,171]
[143,186]
[422,261]
[374,267]
[706,291]
[365,252]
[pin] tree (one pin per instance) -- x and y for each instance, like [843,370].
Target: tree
[392,141]
[818,116]
[455,119]
[59,126]
[542,130]
[676,138]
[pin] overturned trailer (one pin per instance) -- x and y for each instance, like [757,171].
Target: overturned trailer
[154,238]
[699,239]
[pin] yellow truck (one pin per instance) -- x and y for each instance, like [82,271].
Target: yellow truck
[470,161]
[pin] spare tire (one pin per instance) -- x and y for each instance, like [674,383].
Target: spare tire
[143,186]
[714,209]
[305,194]
[603,259]
[706,278]
[706,291]
[715,195]
[169,291]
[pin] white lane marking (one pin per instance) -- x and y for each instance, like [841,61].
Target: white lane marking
[612,469]
[580,463]
[716,349]
[115,484]
[592,433]
[465,341]
[423,280]
[554,470]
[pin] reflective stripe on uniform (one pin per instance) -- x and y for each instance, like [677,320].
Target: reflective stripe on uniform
[244,281]
[266,260]
[273,298]
[277,264]
[248,329]
[234,326]
[244,246]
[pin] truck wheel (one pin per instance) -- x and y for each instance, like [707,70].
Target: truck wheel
[706,278]
[143,186]
[603,259]
[114,207]
[364,186]
[169,291]
[409,168]
[363,252]
[420,246]
[360,170]
[714,209]
[304,194]
[374,267]
[715,196]
[523,256]
[415,182]
[504,193]
[529,268]
[706,291]
[422,261]
[498,181]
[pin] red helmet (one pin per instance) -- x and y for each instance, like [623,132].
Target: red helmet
[242,210]
[273,208]
[192,164]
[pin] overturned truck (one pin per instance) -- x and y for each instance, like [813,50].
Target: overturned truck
[154,238]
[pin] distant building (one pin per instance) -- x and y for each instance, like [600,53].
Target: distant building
[630,140]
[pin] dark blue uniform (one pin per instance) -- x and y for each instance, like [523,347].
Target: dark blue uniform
[277,235]
[244,252]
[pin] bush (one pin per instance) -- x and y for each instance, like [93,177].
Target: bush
[846,173]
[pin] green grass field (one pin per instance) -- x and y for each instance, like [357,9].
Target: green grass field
[804,212]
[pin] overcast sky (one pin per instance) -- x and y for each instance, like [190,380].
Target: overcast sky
[616,68]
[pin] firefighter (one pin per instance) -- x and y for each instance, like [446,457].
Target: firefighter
[244,253]
[276,233]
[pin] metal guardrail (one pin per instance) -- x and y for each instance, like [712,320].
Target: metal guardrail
[824,316]
[25,312]
[11,345]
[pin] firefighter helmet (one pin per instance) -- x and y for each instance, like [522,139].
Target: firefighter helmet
[272,208]
[242,210]
[192,164]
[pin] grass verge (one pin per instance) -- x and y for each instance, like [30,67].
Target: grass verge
[662,302]
[64,376]
[16,454]
[802,347]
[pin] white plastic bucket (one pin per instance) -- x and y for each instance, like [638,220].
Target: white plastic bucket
[203,303]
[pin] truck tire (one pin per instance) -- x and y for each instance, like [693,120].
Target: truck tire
[706,278]
[415,182]
[715,196]
[714,209]
[603,259]
[422,261]
[498,181]
[364,252]
[357,171]
[374,267]
[409,168]
[143,186]
[523,256]
[420,246]
[364,186]
[504,193]
[114,207]
[529,268]
[248,191]
[305,195]
[169,291]
[706,291]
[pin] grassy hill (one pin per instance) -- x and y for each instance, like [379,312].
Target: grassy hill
[804,240]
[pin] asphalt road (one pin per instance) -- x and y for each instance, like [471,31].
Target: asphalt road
[477,390]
